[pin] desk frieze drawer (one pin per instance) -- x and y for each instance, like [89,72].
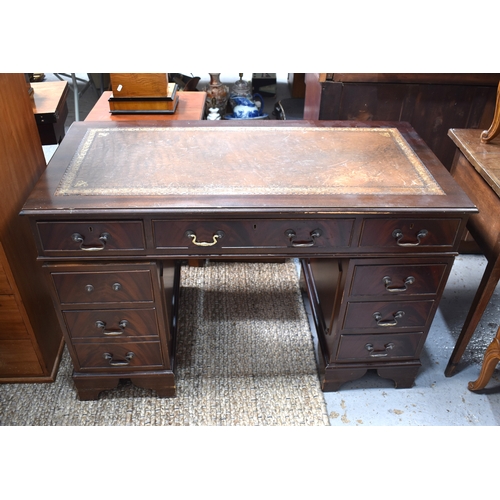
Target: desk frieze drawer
[104,287]
[387,315]
[410,234]
[111,324]
[92,237]
[119,356]
[378,348]
[397,280]
[300,234]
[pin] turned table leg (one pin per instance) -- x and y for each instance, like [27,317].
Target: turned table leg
[491,359]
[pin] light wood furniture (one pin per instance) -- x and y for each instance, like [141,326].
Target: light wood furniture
[121,204]
[476,168]
[191,107]
[50,109]
[30,337]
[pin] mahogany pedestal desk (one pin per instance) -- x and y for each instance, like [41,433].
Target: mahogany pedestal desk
[476,167]
[373,215]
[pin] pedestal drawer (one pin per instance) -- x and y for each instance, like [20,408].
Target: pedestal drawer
[119,356]
[392,280]
[111,324]
[387,315]
[103,287]
[379,347]
[410,234]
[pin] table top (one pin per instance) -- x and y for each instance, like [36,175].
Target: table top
[47,97]
[485,158]
[191,107]
[287,167]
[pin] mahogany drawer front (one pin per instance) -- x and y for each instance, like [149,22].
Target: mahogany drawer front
[379,347]
[111,323]
[387,315]
[295,234]
[104,287]
[91,237]
[410,234]
[392,280]
[119,356]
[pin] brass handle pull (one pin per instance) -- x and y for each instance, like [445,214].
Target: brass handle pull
[387,282]
[123,362]
[291,235]
[78,238]
[379,354]
[398,234]
[117,331]
[393,322]
[217,236]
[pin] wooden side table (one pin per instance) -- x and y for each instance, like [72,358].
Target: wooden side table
[50,109]
[191,107]
[476,167]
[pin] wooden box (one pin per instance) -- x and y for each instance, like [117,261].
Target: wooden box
[139,84]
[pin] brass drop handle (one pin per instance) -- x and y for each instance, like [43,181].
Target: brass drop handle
[217,236]
[291,235]
[125,362]
[387,282]
[393,322]
[379,354]
[398,235]
[122,324]
[78,238]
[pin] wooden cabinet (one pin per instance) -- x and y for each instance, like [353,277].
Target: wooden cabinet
[30,336]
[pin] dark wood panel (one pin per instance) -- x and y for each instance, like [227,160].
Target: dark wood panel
[432,104]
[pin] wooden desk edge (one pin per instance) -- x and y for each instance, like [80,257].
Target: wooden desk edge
[454,134]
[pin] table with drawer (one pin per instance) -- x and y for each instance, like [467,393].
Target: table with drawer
[373,216]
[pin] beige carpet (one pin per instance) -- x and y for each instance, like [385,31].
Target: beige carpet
[245,357]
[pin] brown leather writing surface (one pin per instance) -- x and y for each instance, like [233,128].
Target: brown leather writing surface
[199,161]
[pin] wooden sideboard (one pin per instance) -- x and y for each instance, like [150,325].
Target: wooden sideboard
[373,215]
[432,103]
[30,337]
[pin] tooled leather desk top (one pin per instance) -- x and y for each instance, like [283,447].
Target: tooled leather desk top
[154,162]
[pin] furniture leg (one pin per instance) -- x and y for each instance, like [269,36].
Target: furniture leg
[483,295]
[491,359]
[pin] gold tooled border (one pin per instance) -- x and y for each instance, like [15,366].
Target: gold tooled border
[68,187]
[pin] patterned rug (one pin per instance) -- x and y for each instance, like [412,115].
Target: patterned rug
[245,357]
